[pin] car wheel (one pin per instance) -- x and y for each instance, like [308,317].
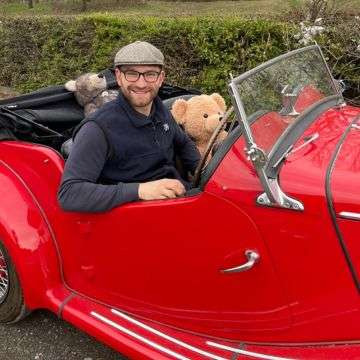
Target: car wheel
[12,307]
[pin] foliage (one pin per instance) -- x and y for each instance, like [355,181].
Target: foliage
[311,10]
[200,52]
[334,25]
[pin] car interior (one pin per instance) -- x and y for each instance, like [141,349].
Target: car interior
[48,116]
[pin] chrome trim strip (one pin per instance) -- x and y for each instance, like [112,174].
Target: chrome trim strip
[167,337]
[306,142]
[138,337]
[349,215]
[330,202]
[246,353]
[177,342]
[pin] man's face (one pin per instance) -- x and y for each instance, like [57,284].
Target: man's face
[140,92]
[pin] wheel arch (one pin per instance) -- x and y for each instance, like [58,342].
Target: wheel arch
[27,236]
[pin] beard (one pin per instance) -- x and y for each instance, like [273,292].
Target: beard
[140,97]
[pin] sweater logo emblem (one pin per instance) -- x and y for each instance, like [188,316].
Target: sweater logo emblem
[166,127]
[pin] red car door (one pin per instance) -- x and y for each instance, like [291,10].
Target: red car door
[163,260]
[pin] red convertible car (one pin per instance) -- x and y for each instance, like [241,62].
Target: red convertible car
[260,260]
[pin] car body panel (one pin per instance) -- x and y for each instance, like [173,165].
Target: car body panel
[162,273]
[26,234]
[344,185]
[318,309]
[139,338]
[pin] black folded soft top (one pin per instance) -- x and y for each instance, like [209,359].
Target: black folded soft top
[56,109]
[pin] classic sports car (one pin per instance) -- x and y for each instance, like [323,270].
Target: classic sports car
[260,260]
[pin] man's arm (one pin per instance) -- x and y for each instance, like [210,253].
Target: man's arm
[79,190]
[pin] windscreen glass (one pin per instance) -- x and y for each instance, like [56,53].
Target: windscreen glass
[273,96]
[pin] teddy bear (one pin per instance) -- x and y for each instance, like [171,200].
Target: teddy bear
[90,91]
[199,116]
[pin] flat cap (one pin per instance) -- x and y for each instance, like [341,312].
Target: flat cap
[139,53]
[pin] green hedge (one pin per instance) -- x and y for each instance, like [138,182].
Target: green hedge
[200,52]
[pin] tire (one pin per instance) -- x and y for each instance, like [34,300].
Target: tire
[12,306]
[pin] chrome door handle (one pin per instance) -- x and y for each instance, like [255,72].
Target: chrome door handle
[252,256]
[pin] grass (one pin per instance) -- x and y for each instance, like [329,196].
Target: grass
[243,8]
[248,8]
[21,8]
[216,8]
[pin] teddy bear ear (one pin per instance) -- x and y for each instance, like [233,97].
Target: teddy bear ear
[71,85]
[219,100]
[178,110]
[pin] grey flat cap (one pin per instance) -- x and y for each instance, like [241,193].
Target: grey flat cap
[139,53]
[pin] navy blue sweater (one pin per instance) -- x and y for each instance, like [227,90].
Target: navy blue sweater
[115,149]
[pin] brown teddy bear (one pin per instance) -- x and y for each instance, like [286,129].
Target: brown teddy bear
[200,116]
[90,91]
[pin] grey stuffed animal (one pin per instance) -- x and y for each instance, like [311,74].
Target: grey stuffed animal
[90,91]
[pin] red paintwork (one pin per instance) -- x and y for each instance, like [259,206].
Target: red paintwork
[126,345]
[267,129]
[160,261]
[303,246]
[308,96]
[345,185]
[25,232]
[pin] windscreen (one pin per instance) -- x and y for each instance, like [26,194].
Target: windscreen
[275,94]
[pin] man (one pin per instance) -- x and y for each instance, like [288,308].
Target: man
[126,150]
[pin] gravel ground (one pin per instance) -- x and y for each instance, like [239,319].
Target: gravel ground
[42,336]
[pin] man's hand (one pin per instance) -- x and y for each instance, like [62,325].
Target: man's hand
[161,189]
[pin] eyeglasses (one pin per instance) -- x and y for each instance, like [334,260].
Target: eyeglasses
[133,76]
